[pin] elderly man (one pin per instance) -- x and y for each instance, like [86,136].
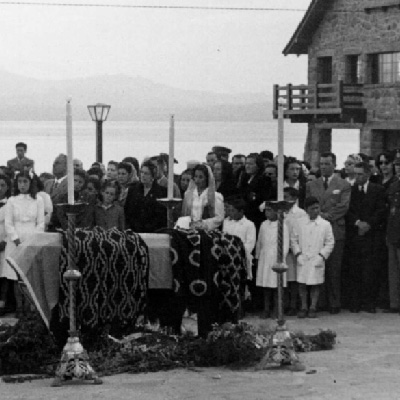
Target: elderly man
[58,186]
[20,162]
[333,194]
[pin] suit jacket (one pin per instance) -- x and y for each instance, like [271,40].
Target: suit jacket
[334,202]
[56,193]
[369,207]
[16,164]
[144,214]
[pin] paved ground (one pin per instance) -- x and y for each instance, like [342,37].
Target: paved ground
[364,365]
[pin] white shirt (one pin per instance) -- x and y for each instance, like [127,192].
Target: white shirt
[246,231]
[58,181]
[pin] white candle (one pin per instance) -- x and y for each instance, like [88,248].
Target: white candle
[70,157]
[171,158]
[280,149]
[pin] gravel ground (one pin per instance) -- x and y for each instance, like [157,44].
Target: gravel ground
[365,364]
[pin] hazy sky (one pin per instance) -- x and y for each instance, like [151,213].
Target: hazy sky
[223,51]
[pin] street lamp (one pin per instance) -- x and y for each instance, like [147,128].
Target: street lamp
[99,113]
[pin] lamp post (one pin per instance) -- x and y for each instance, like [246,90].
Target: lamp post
[99,113]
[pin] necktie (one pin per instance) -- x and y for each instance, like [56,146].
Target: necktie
[325,183]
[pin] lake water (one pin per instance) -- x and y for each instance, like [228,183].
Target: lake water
[46,139]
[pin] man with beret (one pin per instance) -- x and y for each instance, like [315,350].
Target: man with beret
[222,152]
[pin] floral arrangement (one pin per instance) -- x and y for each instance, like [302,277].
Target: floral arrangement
[29,347]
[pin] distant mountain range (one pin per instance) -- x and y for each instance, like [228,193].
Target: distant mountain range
[23,98]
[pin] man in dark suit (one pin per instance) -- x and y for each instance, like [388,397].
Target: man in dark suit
[333,194]
[20,163]
[364,219]
[58,187]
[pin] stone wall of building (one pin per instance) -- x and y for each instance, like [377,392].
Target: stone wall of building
[347,29]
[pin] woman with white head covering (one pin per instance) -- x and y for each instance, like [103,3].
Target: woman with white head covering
[202,204]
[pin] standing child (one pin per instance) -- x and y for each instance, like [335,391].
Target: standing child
[108,214]
[291,194]
[238,225]
[266,255]
[312,242]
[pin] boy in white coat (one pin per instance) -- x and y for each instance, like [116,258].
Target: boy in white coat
[312,242]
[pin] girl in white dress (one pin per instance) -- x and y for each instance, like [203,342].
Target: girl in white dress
[266,256]
[5,193]
[24,215]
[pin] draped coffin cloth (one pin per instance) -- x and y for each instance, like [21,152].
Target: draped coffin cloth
[209,269]
[114,266]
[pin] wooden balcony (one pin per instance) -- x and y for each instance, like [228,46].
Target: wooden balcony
[321,102]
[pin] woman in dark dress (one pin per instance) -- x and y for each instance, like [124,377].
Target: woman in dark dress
[143,213]
[255,188]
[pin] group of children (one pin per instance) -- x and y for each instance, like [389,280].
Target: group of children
[307,243]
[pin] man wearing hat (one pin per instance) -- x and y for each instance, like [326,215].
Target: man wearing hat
[222,152]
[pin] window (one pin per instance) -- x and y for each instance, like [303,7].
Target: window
[384,67]
[325,70]
[353,69]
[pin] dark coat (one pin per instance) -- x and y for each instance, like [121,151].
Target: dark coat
[144,214]
[255,192]
[369,207]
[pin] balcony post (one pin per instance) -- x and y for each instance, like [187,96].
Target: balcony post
[316,95]
[289,99]
[339,94]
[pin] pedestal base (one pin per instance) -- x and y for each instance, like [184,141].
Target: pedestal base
[75,364]
[280,351]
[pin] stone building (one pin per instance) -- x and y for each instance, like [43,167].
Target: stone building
[353,49]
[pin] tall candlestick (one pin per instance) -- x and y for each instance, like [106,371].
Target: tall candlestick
[171,158]
[70,157]
[280,149]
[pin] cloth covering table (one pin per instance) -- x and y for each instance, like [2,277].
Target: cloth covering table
[37,263]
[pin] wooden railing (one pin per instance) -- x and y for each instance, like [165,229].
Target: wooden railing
[319,98]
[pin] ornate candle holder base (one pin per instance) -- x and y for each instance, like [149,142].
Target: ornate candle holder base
[74,358]
[170,205]
[74,364]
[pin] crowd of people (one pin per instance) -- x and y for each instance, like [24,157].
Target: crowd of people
[341,234]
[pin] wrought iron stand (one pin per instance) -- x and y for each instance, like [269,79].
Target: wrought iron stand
[280,349]
[74,358]
[170,205]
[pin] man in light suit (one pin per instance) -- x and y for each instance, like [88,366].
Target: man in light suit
[20,163]
[58,187]
[333,194]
